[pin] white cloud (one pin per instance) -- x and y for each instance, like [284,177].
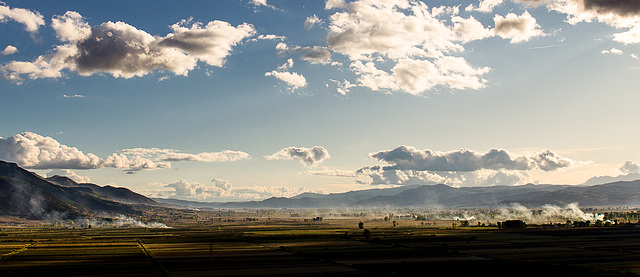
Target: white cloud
[485,6]
[631,36]
[31,20]
[124,51]
[332,173]
[185,189]
[286,65]
[613,51]
[307,156]
[409,38]
[417,76]
[259,3]
[34,151]
[409,158]
[172,155]
[224,156]
[70,27]
[222,190]
[73,96]
[293,79]
[384,176]
[469,29]
[10,49]
[271,37]
[392,29]
[517,28]
[343,87]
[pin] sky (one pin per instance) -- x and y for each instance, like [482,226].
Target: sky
[249,99]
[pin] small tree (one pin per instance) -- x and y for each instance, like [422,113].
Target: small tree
[360,225]
[366,234]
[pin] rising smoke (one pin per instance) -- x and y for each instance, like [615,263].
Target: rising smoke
[547,214]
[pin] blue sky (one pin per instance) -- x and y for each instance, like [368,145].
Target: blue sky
[244,100]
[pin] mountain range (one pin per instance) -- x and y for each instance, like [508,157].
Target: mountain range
[621,193]
[26,194]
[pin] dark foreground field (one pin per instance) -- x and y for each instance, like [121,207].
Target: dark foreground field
[328,247]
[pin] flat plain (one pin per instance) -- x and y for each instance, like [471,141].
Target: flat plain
[238,245]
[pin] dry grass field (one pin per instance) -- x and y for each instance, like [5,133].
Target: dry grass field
[247,244]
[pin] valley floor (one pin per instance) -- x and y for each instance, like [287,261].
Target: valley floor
[336,247]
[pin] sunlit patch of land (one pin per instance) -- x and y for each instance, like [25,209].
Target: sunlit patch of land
[324,242]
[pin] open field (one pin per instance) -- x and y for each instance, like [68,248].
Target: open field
[263,244]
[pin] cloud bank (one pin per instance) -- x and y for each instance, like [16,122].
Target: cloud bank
[410,158]
[34,151]
[222,190]
[410,166]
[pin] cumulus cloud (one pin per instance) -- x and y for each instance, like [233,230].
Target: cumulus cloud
[389,176]
[222,190]
[469,29]
[410,158]
[411,37]
[70,27]
[35,151]
[185,189]
[417,76]
[307,156]
[517,28]
[30,19]
[629,167]
[31,150]
[392,29]
[122,50]
[10,49]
